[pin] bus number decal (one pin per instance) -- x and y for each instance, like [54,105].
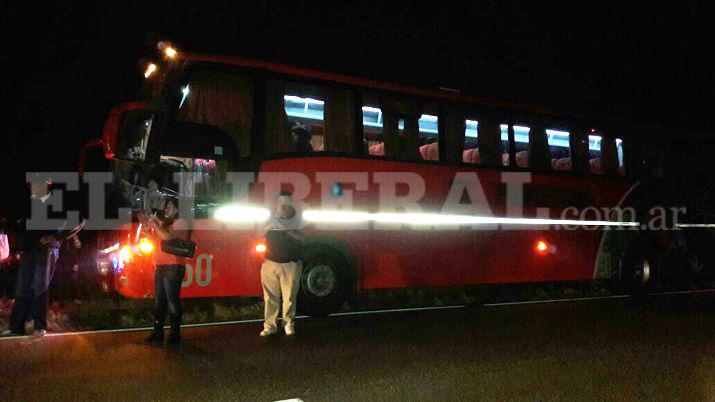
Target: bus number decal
[188,276]
[201,275]
[206,267]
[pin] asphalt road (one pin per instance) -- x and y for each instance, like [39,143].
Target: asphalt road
[604,349]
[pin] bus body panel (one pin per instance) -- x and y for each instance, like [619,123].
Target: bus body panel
[226,263]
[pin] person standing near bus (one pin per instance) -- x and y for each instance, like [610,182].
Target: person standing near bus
[168,273]
[282,266]
[40,250]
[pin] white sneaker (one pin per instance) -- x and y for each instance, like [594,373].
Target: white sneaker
[268,332]
[39,333]
[6,332]
[290,330]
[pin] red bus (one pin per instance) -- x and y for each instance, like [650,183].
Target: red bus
[552,187]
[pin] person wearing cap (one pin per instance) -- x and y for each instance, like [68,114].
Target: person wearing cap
[40,250]
[282,266]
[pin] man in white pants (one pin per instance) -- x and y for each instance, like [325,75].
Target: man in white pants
[281,269]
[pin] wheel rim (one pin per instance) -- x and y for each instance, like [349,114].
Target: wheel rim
[320,280]
[643,272]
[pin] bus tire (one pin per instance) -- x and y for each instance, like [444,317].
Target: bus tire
[637,272]
[325,283]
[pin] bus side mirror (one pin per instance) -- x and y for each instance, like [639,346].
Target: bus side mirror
[110,130]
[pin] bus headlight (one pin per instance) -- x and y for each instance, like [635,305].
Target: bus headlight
[125,254]
[145,246]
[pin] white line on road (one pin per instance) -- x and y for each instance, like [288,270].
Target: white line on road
[367,312]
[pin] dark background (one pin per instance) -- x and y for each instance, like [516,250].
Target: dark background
[64,65]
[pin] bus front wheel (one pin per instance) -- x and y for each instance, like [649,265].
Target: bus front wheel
[325,283]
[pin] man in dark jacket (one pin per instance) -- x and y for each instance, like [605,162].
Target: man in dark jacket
[281,269]
[40,250]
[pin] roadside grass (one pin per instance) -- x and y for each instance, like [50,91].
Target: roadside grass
[103,311]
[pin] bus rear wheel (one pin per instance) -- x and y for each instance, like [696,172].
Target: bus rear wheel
[325,283]
[638,270]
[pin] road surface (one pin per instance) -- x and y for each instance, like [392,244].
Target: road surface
[584,350]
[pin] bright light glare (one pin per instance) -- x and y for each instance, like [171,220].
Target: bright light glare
[145,246]
[541,246]
[298,99]
[109,249]
[315,216]
[170,52]
[185,93]
[371,109]
[336,216]
[428,117]
[261,248]
[242,214]
[150,69]
[125,253]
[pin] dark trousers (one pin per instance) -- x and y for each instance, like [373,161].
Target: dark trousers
[32,289]
[167,290]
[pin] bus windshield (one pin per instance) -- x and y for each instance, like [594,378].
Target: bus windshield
[223,100]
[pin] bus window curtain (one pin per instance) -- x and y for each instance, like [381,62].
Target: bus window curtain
[579,148]
[339,114]
[410,138]
[405,145]
[539,155]
[277,138]
[221,100]
[455,125]
[489,142]
[609,155]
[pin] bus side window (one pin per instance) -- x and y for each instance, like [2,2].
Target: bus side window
[559,149]
[429,137]
[594,153]
[521,141]
[470,150]
[372,121]
[619,151]
[307,118]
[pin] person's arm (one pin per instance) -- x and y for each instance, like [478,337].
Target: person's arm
[159,229]
[271,224]
[296,235]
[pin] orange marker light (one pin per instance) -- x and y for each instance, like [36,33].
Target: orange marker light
[542,246]
[170,52]
[261,248]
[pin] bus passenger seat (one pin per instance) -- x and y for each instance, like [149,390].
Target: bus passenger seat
[522,159]
[594,165]
[471,156]
[377,149]
[561,164]
[430,152]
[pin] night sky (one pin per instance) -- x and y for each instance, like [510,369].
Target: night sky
[64,65]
